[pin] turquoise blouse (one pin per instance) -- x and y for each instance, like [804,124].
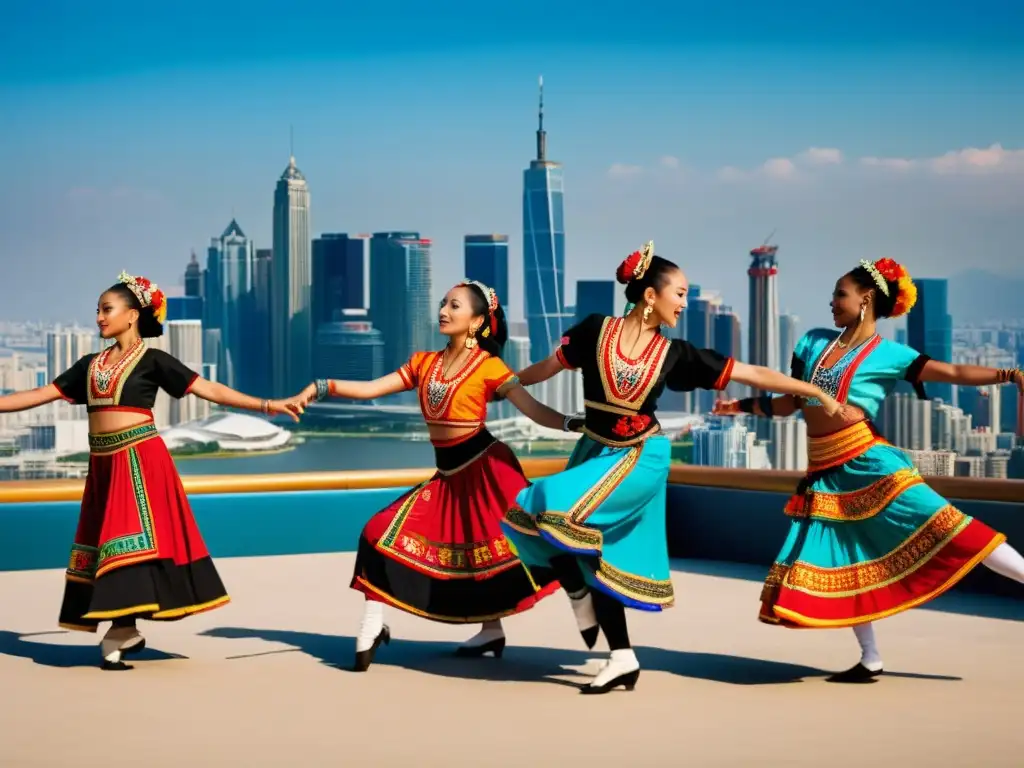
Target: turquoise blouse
[864,376]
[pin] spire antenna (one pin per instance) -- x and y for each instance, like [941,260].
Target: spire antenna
[541,135]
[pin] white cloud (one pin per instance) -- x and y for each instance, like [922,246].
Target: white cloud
[892,163]
[973,160]
[779,168]
[624,170]
[669,161]
[821,156]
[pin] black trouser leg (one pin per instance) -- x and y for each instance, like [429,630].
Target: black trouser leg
[611,617]
[124,621]
[569,575]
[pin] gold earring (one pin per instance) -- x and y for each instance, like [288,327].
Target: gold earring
[470,340]
[647,312]
[862,309]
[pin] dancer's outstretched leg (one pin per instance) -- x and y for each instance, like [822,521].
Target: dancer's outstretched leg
[372,632]
[1006,561]
[490,639]
[622,667]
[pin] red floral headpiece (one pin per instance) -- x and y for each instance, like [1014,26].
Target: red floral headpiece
[888,270]
[148,294]
[635,265]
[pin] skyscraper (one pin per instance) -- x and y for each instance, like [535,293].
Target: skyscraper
[930,329]
[487,261]
[261,376]
[400,294]
[700,331]
[787,340]
[728,341]
[763,345]
[595,297]
[185,339]
[543,248]
[291,317]
[339,275]
[193,277]
[229,272]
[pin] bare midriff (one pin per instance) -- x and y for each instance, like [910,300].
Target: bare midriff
[101,422]
[820,423]
[448,435]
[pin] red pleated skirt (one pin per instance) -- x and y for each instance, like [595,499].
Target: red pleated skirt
[137,551]
[439,552]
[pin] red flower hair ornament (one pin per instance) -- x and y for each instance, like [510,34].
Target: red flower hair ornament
[888,270]
[635,265]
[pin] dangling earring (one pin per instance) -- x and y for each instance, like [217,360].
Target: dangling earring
[471,340]
[647,312]
[862,308]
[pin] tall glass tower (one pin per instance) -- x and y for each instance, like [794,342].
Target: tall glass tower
[543,248]
[487,261]
[229,272]
[291,316]
[763,347]
[930,329]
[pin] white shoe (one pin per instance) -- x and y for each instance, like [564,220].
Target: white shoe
[119,642]
[490,639]
[622,668]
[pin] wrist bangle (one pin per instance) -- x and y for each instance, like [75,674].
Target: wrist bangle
[323,389]
[265,407]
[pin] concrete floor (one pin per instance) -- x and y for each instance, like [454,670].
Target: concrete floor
[264,682]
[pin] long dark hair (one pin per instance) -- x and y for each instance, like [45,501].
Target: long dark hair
[149,327]
[884,305]
[656,277]
[494,342]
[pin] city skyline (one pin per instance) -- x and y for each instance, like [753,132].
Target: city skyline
[851,136]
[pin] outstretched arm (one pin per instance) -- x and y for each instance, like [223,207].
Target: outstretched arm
[220,394]
[542,371]
[773,381]
[535,410]
[356,390]
[766,405]
[30,398]
[969,375]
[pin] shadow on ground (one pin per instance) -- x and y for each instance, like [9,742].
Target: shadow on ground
[530,663]
[959,601]
[25,646]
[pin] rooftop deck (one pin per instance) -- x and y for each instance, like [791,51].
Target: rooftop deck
[265,680]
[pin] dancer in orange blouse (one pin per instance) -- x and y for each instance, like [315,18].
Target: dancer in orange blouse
[438,551]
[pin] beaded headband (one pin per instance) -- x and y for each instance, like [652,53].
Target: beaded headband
[148,294]
[492,303]
[877,276]
[646,254]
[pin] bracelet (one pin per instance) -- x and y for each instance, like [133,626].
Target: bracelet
[746,405]
[265,407]
[323,389]
[566,421]
[1005,375]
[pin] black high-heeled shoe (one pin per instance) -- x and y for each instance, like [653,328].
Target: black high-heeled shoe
[365,658]
[590,635]
[131,650]
[495,646]
[115,666]
[855,674]
[627,680]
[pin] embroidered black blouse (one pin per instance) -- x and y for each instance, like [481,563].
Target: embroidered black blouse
[131,382]
[621,393]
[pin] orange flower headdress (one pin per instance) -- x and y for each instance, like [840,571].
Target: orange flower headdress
[887,270]
[635,265]
[492,305]
[148,294]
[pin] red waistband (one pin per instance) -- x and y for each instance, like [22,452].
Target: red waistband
[121,409]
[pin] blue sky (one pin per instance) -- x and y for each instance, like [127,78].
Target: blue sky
[131,135]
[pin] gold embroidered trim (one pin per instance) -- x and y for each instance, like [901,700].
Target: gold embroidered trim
[852,580]
[595,496]
[861,504]
[649,364]
[639,588]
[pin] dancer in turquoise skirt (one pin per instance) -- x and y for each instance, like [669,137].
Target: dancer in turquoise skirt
[869,538]
[600,524]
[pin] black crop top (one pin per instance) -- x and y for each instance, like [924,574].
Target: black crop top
[620,393]
[132,382]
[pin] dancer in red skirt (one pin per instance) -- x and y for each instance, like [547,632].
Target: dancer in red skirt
[438,551]
[137,553]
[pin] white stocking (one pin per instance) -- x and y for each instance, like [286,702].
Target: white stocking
[1006,561]
[870,658]
[373,623]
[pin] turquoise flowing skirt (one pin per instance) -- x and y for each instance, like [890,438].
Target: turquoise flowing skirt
[869,539]
[608,509]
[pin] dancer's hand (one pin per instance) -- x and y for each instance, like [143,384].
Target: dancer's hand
[726,408]
[306,396]
[291,407]
[832,407]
